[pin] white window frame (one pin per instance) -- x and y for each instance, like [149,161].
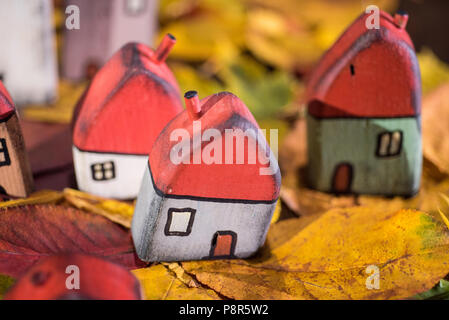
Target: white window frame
[104,168]
[389,144]
[171,219]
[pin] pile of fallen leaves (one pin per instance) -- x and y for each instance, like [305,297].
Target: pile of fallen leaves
[319,246]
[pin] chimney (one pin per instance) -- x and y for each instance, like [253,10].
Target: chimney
[193,105]
[401,19]
[164,48]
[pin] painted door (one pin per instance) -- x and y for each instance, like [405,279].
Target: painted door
[223,244]
[342,179]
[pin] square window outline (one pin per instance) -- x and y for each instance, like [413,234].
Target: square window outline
[136,13]
[5,152]
[103,171]
[390,134]
[167,231]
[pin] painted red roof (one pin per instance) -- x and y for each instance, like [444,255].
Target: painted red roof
[387,72]
[212,181]
[128,103]
[6,104]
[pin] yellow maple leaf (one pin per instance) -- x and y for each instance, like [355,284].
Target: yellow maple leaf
[117,211]
[159,283]
[330,258]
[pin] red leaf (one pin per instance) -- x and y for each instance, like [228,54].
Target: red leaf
[28,234]
[75,277]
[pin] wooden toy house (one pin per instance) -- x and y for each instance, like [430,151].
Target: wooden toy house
[120,115]
[16,179]
[364,112]
[28,65]
[105,26]
[202,209]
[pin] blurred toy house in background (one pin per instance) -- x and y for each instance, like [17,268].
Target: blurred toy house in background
[28,65]
[117,120]
[196,209]
[15,174]
[105,26]
[364,112]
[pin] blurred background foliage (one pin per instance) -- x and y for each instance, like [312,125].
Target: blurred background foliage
[261,50]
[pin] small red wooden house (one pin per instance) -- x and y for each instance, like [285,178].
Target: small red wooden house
[16,179]
[364,112]
[206,196]
[105,26]
[120,115]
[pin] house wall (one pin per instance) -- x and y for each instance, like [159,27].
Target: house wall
[28,58]
[129,170]
[105,28]
[15,178]
[249,221]
[334,141]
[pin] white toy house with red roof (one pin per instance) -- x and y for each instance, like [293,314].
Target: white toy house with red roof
[192,208]
[119,117]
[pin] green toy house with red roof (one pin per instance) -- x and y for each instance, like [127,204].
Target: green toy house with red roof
[364,112]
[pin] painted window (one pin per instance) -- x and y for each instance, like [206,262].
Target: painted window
[103,171]
[179,222]
[135,7]
[5,160]
[389,144]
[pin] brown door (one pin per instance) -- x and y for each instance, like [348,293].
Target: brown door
[223,244]
[342,179]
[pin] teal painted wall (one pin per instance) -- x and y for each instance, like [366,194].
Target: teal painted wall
[334,141]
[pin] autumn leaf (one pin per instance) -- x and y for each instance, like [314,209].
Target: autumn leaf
[29,234]
[328,259]
[40,197]
[117,211]
[435,116]
[6,282]
[159,283]
[439,292]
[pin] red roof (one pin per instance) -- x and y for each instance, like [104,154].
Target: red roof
[212,181]
[351,81]
[128,103]
[6,104]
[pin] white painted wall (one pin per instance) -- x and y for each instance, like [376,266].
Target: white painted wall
[28,57]
[129,170]
[249,221]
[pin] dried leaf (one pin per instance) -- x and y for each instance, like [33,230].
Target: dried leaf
[433,71]
[435,116]
[41,197]
[159,283]
[6,282]
[182,275]
[439,292]
[28,234]
[328,259]
[116,211]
